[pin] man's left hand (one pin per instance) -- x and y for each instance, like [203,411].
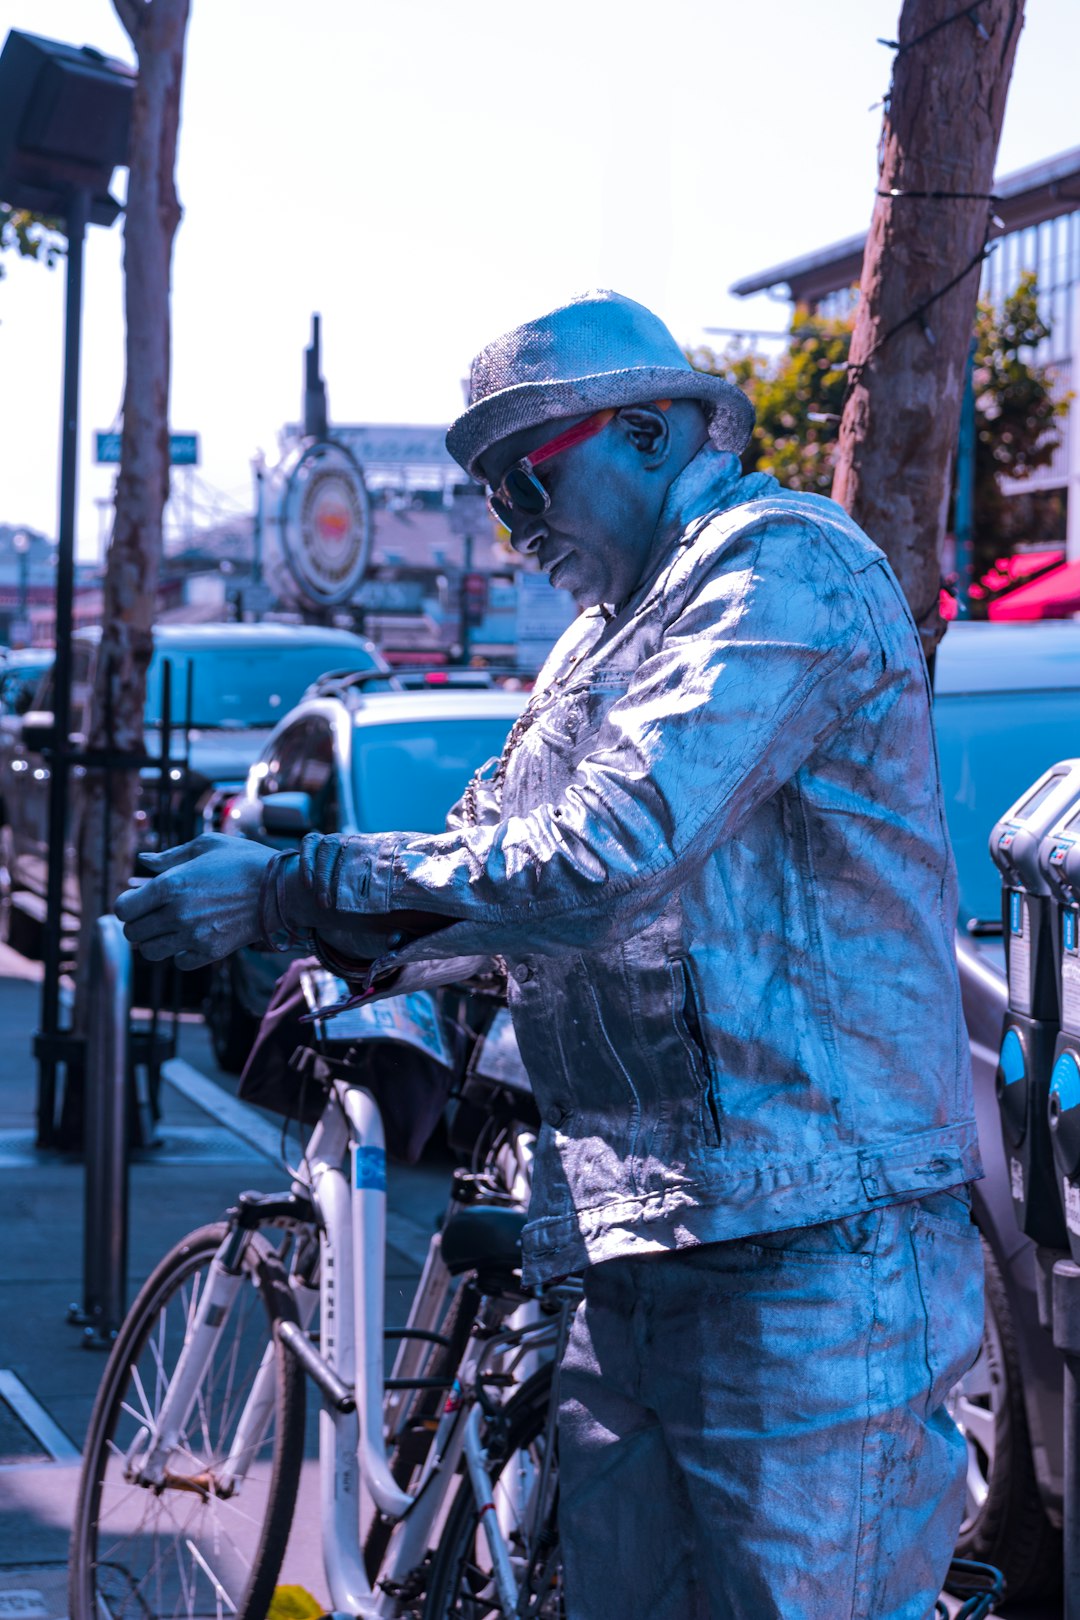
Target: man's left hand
[202,904]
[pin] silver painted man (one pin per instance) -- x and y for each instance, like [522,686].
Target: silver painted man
[714,857]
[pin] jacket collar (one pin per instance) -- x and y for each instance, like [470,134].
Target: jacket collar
[711,483]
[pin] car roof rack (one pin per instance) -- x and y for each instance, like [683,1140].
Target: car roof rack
[346,684]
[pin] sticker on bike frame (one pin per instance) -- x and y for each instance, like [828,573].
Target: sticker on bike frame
[369,1169]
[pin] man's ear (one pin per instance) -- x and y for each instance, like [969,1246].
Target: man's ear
[648,431]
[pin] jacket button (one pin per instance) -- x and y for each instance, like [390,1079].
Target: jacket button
[522,972]
[555,1114]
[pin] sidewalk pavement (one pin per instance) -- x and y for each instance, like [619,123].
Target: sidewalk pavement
[211,1148]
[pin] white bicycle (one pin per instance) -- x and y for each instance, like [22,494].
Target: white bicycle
[438,1484]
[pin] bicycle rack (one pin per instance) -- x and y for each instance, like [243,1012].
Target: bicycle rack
[105,1228]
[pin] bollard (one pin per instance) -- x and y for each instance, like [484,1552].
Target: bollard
[105,1237]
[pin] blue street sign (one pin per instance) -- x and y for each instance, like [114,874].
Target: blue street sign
[183,449]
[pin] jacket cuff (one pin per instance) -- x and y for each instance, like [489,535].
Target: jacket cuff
[277,931]
[348,875]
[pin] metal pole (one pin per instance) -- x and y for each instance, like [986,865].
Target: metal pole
[260,518]
[964,524]
[466,577]
[105,1233]
[65,591]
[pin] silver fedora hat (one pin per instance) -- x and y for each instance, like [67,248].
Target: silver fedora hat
[600,349]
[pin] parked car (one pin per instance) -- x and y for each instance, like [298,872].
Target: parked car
[20,675]
[1007,705]
[349,759]
[243,678]
[21,669]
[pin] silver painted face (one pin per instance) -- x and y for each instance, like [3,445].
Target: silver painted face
[593,538]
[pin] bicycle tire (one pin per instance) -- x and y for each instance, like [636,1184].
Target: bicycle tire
[138,1552]
[460,1587]
[1008,1528]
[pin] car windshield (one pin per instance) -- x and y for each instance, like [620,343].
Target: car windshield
[994,745]
[234,688]
[410,774]
[19,681]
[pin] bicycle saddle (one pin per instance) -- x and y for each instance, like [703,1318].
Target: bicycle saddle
[485,1238]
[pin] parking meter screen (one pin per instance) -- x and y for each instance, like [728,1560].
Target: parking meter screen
[1029,806]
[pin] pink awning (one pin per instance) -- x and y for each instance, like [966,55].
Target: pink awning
[1053,596]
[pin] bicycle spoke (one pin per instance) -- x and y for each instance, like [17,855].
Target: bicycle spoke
[178,1550]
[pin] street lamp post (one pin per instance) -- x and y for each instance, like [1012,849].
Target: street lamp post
[20,540]
[64,118]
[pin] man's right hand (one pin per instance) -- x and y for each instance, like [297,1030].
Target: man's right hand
[202,904]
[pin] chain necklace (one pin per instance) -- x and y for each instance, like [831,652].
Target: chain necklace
[524,723]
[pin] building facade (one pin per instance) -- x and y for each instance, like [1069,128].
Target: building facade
[1039,213]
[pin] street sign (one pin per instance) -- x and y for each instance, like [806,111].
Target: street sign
[183,449]
[391,595]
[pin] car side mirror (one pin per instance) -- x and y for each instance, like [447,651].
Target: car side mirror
[38,731]
[288,815]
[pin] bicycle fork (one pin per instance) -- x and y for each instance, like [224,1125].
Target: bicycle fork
[151,1468]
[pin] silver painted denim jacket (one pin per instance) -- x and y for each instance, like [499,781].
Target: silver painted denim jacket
[719,870]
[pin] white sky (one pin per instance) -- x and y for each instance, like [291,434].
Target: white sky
[427,175]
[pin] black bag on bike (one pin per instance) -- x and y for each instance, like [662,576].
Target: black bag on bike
[410,1086]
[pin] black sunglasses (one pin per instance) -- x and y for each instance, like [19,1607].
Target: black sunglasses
[520,491]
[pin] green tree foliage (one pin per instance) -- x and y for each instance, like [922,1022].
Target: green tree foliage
[1016,416]
[798,397]
[31,236]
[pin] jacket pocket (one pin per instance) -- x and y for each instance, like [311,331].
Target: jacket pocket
[688,1024]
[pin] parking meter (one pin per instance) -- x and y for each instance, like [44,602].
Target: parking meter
[1027,907]
[1060,860]
[1032,1021]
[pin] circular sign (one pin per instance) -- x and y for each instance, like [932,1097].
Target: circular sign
[324,523]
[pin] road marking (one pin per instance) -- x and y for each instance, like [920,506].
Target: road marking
[33,1416]
[407,1236]
[236,1116]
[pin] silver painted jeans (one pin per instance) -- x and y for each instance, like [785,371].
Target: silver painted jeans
[757,1428]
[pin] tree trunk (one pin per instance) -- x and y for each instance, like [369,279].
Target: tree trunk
[920,282]
[107,830]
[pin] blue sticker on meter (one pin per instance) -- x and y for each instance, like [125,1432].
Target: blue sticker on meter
[1068,930]
[370,1172]
[1016,912]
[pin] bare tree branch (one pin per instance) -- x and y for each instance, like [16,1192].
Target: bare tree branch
[130,13]
[107,828]
[920,280]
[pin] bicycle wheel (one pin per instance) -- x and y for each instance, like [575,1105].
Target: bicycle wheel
[184,1549]
[462,1585]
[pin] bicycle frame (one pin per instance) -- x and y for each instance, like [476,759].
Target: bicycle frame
[352,1448]
[345,1178]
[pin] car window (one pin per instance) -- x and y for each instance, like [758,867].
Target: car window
[241,687]
[410,774]
[286,765]
[992,746]
[304,761]
[82,665]
[17,688]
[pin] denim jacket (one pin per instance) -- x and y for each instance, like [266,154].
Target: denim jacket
[718,868]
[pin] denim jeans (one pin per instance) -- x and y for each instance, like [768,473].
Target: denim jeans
[757,1428]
